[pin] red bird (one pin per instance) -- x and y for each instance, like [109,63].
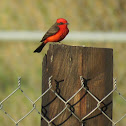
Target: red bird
[55,34]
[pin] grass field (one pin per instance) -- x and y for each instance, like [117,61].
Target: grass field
[82,15]
[18,59]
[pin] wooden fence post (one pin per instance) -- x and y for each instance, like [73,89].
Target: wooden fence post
[66,64]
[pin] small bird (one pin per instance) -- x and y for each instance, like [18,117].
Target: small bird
[56,33]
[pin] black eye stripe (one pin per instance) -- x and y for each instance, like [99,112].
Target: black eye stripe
[60,23]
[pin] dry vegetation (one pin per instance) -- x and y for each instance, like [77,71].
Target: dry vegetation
[82,15]
[18,59]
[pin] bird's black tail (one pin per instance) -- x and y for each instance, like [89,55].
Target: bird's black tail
[39,49]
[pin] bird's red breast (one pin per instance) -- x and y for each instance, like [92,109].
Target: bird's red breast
[60,35]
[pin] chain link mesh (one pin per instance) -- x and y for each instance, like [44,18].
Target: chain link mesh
[68,106]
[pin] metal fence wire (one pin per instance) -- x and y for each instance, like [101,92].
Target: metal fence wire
[68,106]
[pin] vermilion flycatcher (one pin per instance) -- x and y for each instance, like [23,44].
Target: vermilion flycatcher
[55,34]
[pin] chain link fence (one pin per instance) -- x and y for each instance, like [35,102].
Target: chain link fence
[66,103]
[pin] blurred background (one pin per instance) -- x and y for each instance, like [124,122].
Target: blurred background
[17,57]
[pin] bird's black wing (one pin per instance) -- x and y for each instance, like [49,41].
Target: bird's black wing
[52,31]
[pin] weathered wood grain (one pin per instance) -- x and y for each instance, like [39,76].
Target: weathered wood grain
[68,63]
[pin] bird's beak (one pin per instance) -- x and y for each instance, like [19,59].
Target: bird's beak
[67,23]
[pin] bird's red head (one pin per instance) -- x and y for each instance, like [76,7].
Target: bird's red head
[62,22]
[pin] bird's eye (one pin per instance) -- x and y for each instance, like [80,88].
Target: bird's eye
[61,23]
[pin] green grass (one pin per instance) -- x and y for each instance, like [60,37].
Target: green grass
[82,15]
